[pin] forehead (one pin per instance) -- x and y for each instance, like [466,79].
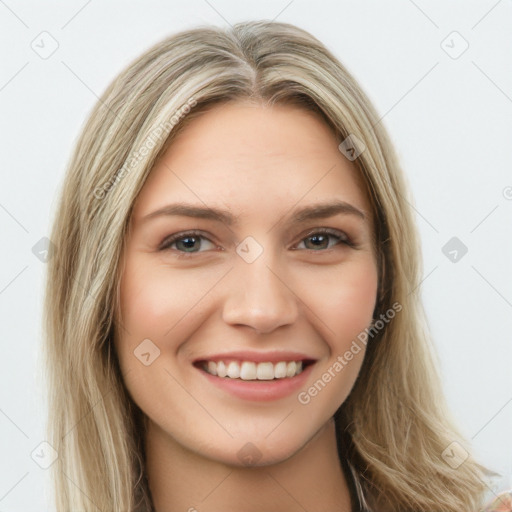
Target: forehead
[253,158]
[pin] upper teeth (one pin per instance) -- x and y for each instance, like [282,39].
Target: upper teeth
[253,371]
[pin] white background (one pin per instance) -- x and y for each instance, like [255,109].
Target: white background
[450,119]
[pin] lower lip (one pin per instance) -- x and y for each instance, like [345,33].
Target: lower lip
[260,390]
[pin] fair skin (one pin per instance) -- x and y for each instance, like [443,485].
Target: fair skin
[307,292]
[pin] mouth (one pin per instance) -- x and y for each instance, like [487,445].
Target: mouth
[256,381]
[247,370]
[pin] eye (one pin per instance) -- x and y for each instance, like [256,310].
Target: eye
[191,241]
[185,242]
[320,239]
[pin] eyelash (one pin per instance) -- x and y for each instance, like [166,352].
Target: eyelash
[343,239]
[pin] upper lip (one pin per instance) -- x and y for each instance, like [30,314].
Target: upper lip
[258,357]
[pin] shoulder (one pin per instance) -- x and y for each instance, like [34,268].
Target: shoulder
[502,502]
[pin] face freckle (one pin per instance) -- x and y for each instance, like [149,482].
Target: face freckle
[257,275]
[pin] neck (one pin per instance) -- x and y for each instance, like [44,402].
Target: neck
[311,479]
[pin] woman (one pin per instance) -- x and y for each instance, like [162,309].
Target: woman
[233,310]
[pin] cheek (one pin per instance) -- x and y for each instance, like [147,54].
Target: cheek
[356,298]
[146,309]
[157,303]
[154,302]
[345,301]
[153,299]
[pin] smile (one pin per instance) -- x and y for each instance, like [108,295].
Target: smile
[249,370]
[254,375]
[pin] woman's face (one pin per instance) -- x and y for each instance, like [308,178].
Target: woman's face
[258,285]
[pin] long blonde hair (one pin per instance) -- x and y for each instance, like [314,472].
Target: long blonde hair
[394,426]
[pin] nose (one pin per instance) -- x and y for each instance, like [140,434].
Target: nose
[260,297]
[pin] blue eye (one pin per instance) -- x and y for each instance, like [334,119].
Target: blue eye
[321,236]
[191,241]
[188,242]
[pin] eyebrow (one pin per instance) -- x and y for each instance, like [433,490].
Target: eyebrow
[311,212]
